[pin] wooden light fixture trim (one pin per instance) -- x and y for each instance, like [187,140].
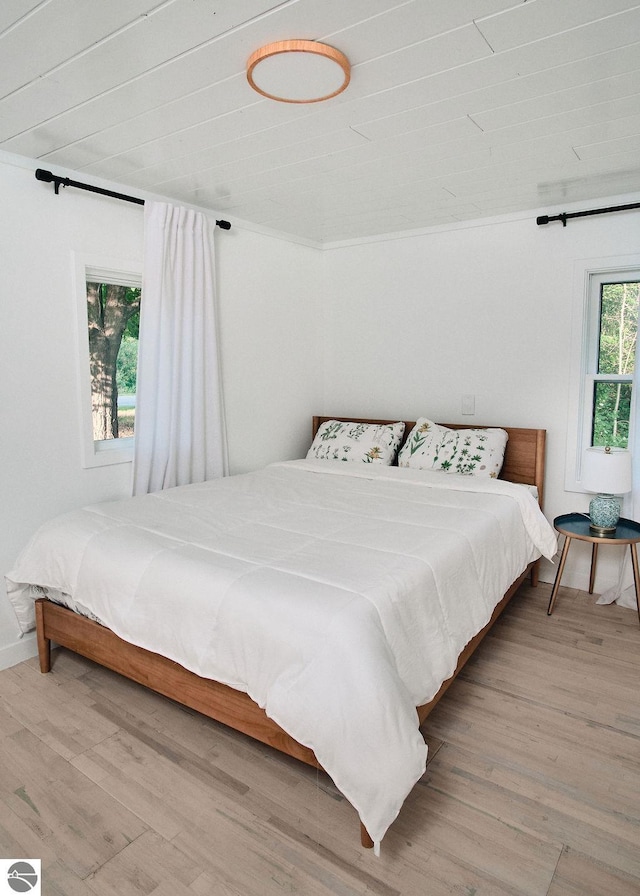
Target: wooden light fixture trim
[299,46]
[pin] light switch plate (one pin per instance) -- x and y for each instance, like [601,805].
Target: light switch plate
[468,404]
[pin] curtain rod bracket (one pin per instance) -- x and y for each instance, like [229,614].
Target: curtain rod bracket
[49,178]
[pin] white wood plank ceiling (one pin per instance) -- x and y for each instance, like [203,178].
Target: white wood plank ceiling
[457,109]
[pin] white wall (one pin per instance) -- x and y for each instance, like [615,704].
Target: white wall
[271,350]
[485,309]
[40,470]
[269,344]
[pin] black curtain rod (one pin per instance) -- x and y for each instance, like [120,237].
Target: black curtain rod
[545,219]
[48,177]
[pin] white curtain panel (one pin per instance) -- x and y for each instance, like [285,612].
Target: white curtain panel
[179,428]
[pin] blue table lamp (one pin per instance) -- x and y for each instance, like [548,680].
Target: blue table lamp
[606,471]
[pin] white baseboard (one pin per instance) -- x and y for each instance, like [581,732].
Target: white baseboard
[22,649]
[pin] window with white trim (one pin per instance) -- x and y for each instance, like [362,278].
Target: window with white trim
[603,389]
[108,299]
[613,327]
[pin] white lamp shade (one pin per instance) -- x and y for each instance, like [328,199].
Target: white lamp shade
[607,470]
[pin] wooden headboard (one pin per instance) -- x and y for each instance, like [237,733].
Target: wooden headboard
[523,460]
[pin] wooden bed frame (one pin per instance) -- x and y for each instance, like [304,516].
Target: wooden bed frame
[524,462]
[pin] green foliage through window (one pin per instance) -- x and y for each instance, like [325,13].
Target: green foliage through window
[616,363]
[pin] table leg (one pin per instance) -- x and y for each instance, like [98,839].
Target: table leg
[556,584]
[594,562]
[636,574]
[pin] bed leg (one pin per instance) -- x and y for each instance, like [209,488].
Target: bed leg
[365,839]
[44,644]
[535,572]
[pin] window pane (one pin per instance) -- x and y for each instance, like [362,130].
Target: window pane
[618,327]
[126,377]
[611,412]
[113,312]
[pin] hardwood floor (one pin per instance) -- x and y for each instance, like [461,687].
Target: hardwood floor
[532,786]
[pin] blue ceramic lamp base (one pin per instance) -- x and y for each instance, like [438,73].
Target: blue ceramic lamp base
[604,513]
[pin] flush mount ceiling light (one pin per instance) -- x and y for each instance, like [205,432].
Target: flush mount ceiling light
[298,71]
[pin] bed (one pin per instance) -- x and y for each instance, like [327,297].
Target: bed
[292,711]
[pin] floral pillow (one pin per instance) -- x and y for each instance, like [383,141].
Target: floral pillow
[473,452]
[366,442]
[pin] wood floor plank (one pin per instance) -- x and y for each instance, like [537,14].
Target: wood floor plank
[68,813]
[147,865]
[508,857]
[275,857]
[533,808]
[581,875]
[21,840]
[59,880]
[570,751]
[565,671]
[57,710]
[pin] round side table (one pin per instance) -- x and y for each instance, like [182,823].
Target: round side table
[577,525]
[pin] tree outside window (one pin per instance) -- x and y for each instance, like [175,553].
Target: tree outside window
[113,317]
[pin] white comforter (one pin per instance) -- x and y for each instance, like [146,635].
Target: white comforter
[337,596]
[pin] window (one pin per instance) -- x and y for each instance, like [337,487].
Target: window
[113,319]
[603,391]
[612,352]
[108,294]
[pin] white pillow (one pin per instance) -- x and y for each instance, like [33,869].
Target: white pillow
[473,452]
[365,442]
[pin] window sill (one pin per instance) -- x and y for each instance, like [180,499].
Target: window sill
[113,451]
